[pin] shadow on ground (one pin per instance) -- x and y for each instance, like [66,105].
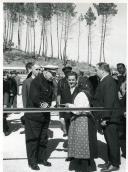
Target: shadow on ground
[102,151]
[52,145]
[14,125]
[55,124]
[79,165]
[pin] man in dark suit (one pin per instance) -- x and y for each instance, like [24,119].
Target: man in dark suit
[107,96]
[26,87]
[36,124]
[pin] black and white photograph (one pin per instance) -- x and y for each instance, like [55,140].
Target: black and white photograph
[64,77]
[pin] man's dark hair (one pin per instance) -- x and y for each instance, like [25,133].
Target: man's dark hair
[29,65]
[72,73]
[104,66]
[122,64]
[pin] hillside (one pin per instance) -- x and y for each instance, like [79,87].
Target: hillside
[20,58]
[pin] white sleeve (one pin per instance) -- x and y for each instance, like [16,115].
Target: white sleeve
[81,100]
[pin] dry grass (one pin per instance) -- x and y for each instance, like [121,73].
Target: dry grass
[20,58]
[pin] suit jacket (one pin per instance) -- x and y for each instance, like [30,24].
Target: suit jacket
[25,90]
[107,96]
[40,91]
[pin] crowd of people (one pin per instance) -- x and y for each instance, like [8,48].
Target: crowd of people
[11,83]
[104,89]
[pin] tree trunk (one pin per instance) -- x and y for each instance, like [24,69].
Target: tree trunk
[34,39]
[46,46]
[78,41]
[41,40]
[51,38]
[66,35]
[12,31]
[28,39]
[10,28]
[61,37]
[64,50]
[101,45]
[88,48]
[19,32]
[26,44]
[43,51]
[90,42]
[7,26]
[57,36]
[31,48]
[104,37]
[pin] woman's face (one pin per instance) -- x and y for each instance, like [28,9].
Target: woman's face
[72,81]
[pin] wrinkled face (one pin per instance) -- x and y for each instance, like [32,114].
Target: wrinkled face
[121,69]
[72,81]
[35,71]
[48,75]
[99,72]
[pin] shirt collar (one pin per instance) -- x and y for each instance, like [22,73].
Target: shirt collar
[104,77]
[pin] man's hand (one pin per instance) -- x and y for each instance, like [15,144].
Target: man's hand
[103,123]
[44,105]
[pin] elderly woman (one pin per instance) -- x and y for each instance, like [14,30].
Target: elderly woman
[82,142]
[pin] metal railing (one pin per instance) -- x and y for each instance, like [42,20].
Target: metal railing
[64,109]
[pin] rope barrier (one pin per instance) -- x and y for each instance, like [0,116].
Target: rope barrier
[33,110]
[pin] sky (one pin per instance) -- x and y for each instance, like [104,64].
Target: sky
[115,45]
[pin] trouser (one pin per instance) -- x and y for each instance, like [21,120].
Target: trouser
[36,138]
[122,135]
[112,139]
[67,124]
[13,101]
[5,124]
[22,119]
